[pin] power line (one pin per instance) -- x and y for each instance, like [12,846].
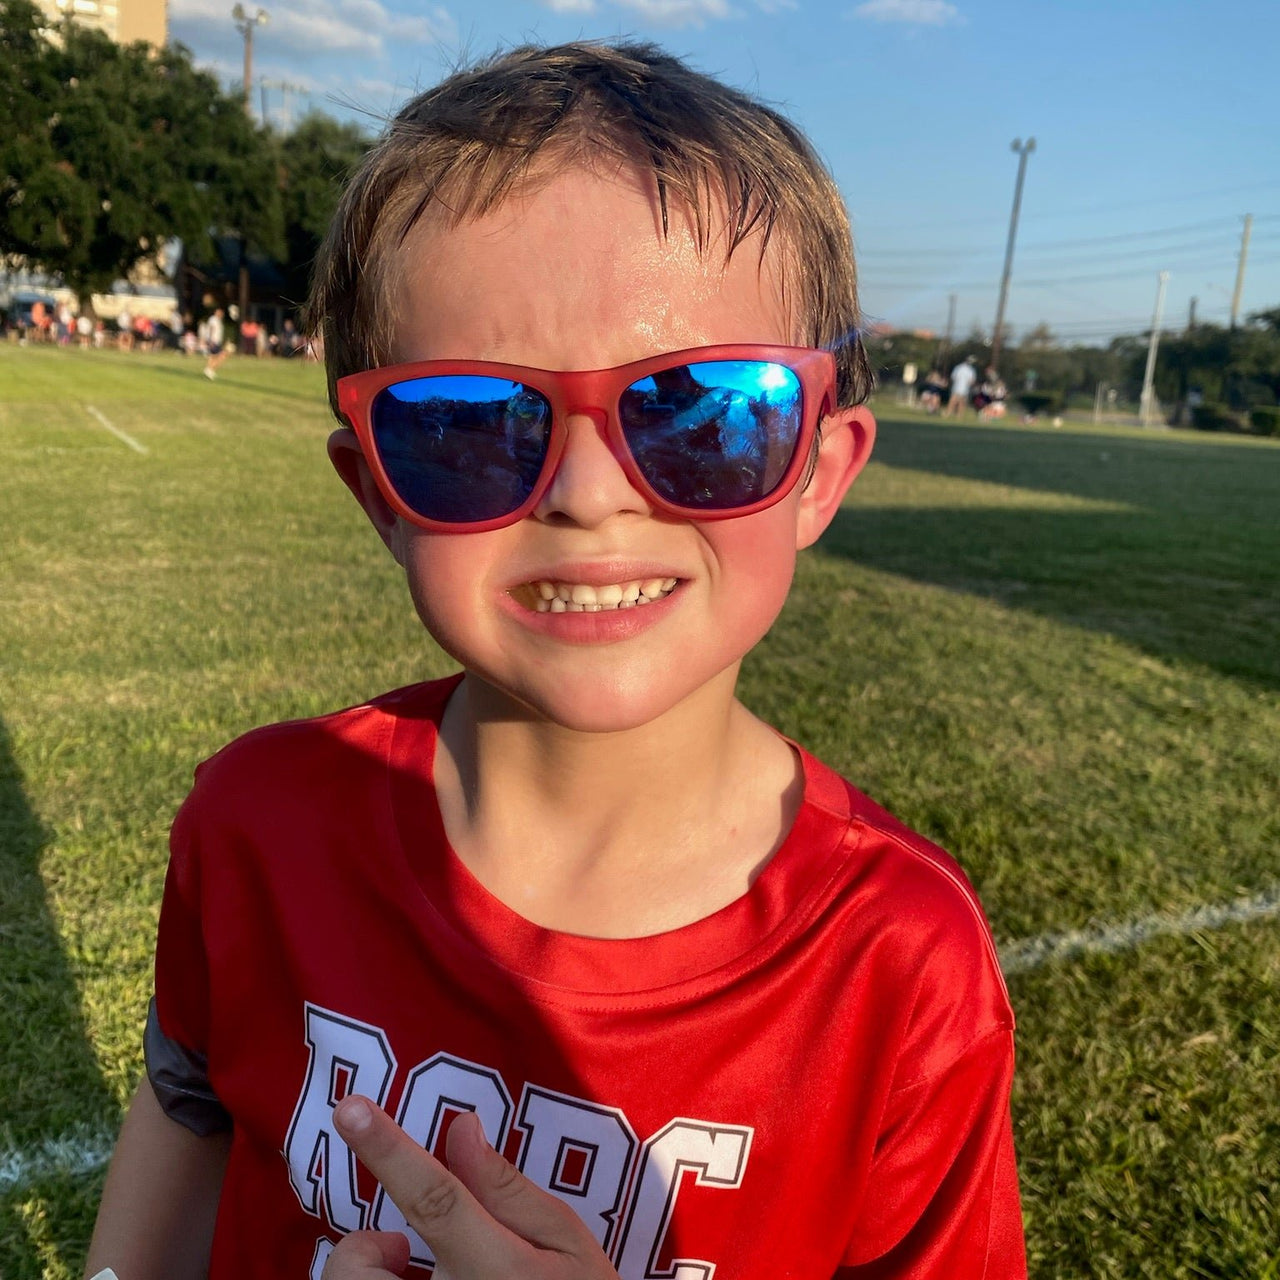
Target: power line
[1181,199]
[1156,232]
[943,281]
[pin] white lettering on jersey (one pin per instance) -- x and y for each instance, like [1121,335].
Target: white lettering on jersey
[347,1056]
[323,1249]
[579,1151]
[584,1153]
[715,1154]
[441,1085]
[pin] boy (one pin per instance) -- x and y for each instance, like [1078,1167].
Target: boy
[690,983]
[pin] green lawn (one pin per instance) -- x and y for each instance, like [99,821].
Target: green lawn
[1055,651]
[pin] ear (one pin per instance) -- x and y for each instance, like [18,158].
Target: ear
[350,463]
[847,437]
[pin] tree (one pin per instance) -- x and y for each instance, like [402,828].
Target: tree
[118,149]
[315,161]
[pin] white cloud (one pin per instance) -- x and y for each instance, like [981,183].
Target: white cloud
[671,13]
[360,27]
[678,13]
[919,13]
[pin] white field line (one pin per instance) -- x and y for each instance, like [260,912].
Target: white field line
[115,431]
[83,1152]
[1031,953]
[73,1153]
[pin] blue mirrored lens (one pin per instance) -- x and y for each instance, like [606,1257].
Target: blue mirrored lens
[462,447]
[716,434]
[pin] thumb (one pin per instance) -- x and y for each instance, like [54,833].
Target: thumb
[520,1205]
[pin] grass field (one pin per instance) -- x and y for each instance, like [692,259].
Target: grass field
[1056,652]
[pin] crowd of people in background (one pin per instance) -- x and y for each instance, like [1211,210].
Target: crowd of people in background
[950,397]
[213,336]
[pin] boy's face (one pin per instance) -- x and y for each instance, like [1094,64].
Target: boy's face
[578,275]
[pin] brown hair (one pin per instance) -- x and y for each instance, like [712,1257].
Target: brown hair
[458,149]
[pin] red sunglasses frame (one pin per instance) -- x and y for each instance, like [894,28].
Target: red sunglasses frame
[595,391]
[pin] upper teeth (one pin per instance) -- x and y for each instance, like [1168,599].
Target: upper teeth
[581,597]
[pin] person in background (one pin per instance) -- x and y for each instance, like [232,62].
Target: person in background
[215,342]
[932,391]
[993,393]
[963,377]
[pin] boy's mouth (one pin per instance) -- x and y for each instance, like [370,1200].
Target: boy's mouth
[544,596]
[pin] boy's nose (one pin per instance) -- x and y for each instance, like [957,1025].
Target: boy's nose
[589,485]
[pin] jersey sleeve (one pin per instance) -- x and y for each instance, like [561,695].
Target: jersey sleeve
[176,1039]
[942,1198]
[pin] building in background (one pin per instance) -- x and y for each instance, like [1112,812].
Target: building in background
[123,20]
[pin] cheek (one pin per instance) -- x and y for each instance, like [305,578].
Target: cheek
[757,559]
[442,571]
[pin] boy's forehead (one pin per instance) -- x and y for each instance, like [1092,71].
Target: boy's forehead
[583,252]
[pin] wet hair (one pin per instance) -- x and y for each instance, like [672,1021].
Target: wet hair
[735,167]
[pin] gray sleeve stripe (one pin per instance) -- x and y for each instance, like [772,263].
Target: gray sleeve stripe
[180,1080]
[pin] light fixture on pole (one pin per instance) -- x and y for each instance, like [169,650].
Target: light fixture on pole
[1024,149]
[245,23]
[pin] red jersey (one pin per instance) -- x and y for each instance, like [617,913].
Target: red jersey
[811,1082]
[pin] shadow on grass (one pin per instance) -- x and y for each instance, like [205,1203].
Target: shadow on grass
[194,373]
[52,1086]
[1189,571]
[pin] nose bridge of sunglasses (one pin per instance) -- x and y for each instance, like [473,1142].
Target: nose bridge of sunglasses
[582,416]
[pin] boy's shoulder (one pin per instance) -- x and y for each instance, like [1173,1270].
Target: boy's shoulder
[909,904]
[295,757]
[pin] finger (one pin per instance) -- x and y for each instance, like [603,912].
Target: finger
[368,1255]
[468,1243]
[500,1188]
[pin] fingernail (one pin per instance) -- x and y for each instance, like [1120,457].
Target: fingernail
[354,1114]
[478,1140]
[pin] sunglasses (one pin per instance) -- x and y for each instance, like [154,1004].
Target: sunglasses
[705,434]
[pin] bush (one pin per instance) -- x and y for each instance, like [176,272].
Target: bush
[1265,420]
[1212,416]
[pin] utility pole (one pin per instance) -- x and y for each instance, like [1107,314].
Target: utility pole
[947,337]
[1191,315]
[1244,257]
[245,23]
[286,88]
[1148,378]
[1024,149]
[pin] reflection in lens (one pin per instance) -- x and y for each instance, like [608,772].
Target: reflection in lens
[462,447]
[716,434]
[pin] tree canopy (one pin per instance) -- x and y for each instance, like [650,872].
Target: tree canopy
[110,150]
[315,161]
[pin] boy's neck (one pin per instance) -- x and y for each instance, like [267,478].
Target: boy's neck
[683,811]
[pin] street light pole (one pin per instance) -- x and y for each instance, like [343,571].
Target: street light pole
[245,23]
[1024,149]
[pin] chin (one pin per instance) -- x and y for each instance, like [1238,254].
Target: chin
[590,705]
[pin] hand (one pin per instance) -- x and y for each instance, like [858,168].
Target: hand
[481,1217]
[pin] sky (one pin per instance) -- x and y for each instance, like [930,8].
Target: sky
[1155,128]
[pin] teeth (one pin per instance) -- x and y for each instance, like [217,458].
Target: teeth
[582,597]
